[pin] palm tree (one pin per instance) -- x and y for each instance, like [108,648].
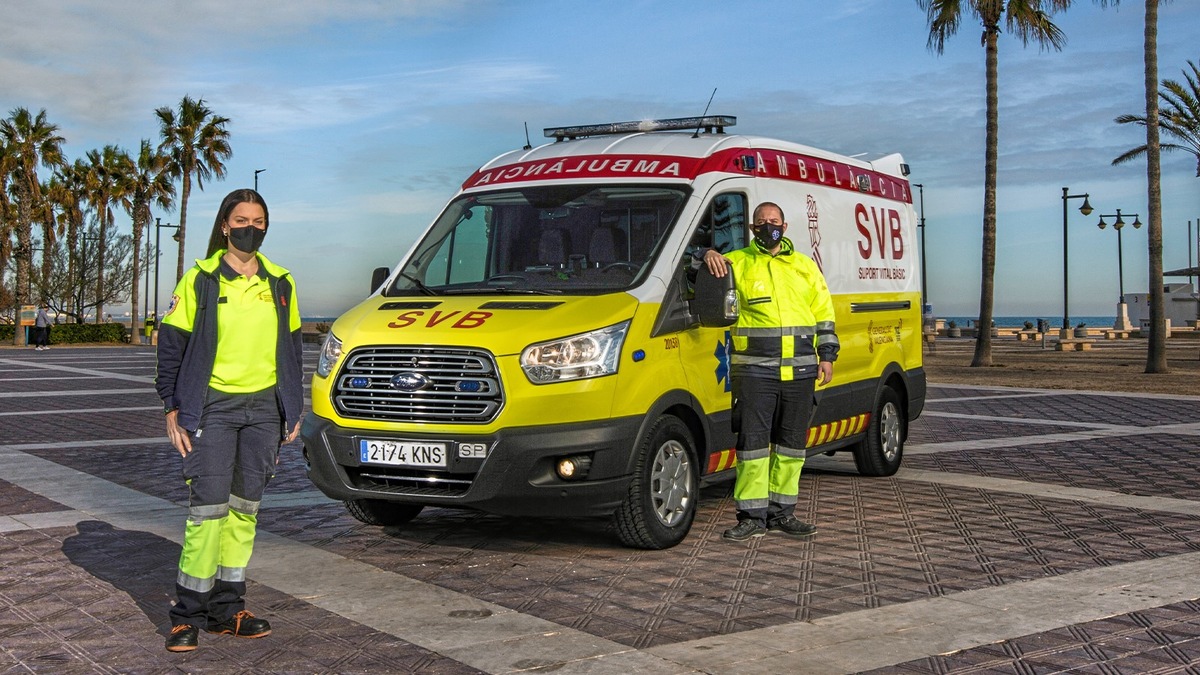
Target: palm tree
[1181,122]
[152,186]
[1180,119]
[1029,21]
[6,211]
[31,141]
[109,181]
[197,142]
[1156,350]
[52,229]
[69,191]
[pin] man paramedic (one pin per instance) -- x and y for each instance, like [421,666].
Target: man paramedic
[783,342]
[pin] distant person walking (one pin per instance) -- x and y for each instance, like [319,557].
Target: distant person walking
[41,328]
[229,375]
[783,342]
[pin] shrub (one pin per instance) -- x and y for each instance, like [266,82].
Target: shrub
[69,333]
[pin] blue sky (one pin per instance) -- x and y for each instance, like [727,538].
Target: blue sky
[367,114]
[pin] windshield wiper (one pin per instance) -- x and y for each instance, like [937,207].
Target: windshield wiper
[417,282]
[500,290]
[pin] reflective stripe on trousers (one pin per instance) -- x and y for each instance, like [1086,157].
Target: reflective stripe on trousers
[227,472]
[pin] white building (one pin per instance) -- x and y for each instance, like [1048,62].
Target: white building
[1181,307]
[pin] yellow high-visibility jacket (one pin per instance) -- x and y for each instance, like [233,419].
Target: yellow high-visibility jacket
[785,314]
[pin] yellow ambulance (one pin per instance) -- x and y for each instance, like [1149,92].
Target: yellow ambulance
[538,350]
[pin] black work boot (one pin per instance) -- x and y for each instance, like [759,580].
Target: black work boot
[791,525]
[242,624]
[183,638]
[745,529]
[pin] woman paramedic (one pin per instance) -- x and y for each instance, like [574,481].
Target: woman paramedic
[229,375]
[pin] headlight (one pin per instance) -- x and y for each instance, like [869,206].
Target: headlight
[588,355]
[331,351]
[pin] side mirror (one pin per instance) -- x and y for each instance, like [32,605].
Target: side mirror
[379,276]
[715,300]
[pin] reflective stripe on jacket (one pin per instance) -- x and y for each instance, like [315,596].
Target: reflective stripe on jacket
[785,314]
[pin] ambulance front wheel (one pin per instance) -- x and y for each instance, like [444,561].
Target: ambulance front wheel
[879,454]
[380,512]
[658,511]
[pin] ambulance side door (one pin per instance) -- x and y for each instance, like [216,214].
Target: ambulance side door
[704,352]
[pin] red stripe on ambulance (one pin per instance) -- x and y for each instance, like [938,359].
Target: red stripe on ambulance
[777,164]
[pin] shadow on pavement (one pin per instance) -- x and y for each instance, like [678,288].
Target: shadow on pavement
[140,564]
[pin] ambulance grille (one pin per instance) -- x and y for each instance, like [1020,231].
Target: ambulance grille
[419,384]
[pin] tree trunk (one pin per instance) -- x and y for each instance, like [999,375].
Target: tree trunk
[1156,349]
[24,262]
[101,214]
[182,233]
[983,339]
[72,242]
[137,274]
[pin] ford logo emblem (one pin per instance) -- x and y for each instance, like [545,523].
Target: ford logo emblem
[409,381]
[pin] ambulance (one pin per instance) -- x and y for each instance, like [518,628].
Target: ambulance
[550,347]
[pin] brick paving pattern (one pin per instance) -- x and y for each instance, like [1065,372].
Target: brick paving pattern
[93,598]
[880,542]
[1160,640]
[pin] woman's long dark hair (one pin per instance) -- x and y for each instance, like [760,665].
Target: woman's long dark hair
[217,240]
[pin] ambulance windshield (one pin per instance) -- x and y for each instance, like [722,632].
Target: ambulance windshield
[574,239]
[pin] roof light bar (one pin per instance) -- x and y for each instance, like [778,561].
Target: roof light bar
[708,123]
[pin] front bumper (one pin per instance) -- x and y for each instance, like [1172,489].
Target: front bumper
[515,478]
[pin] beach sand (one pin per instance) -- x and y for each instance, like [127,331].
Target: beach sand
[1111,365]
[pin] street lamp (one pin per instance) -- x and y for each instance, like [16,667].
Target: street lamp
[146,294]
[158,226]
[256,172]
[1086,209]
[1122,322]
[921,224]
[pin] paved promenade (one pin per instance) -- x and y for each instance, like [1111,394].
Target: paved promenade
[1030,531]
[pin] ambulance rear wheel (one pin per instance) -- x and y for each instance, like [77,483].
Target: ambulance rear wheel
[658,511]
[879,454]
[380,512]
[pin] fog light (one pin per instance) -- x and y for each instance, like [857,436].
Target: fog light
[574,467]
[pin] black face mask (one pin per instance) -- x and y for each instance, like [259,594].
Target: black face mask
[246,239]
[768,235]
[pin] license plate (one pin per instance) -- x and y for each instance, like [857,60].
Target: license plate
[401,453]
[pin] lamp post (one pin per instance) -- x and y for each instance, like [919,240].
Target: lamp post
[1122,322]
[921,224]
[158,227]
[256,172]
[146,294]
[1086,209]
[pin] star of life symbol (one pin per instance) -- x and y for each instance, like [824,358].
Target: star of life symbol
[814,233]
[722,355]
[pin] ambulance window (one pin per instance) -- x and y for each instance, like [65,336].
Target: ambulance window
[723,225]
[462,255]
[575,238]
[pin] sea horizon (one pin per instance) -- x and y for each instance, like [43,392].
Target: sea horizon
[1018,321]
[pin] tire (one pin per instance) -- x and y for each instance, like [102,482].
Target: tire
[661,504]
[880,453]
[380,512]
